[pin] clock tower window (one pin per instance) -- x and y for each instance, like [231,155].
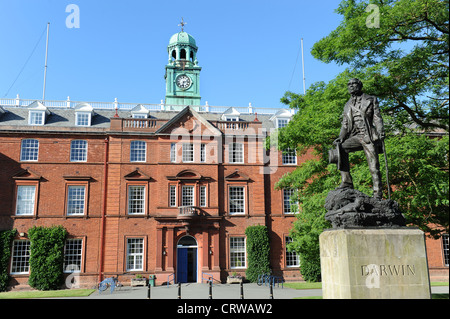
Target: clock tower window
[183,54]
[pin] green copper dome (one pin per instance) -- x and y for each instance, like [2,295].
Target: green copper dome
[182,38]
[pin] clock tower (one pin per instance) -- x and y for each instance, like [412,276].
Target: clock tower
[182,71]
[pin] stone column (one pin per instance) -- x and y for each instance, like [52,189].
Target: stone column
[171,250]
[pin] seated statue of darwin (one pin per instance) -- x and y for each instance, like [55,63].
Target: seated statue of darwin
[362,129]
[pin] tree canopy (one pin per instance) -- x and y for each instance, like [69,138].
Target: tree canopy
[404,62]
[406,55]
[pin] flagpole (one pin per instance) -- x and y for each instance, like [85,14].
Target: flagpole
[303,69]
[45,68]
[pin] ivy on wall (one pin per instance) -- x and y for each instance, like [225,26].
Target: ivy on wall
[258,252]
[6,239]
[46,257]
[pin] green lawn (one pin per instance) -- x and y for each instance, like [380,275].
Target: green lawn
[318,285]
[303,285]
[46,294]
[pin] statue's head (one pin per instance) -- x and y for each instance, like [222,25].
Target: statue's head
[354,86]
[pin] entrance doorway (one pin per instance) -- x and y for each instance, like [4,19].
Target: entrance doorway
[187,259]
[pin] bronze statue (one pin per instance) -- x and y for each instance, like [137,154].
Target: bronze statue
[362,129]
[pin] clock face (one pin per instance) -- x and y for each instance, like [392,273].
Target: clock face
[183,81]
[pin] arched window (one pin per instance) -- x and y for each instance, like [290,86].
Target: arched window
[183,54]
[187,241]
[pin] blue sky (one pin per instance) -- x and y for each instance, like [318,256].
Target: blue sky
[247,49]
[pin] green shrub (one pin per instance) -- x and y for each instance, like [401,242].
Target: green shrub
[258,252]
[6,239]
[46,257]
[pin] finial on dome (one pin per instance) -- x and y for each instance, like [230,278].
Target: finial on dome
[182,24]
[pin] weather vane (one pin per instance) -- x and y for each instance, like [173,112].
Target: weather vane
[182,24]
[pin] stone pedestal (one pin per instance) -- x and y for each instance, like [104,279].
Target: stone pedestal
[374,264]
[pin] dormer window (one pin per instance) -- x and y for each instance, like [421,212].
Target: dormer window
[231,115]
[83,114]
[140,112]
[281,118]
[82,119]
[36,118]
[282,122]
[139,116]
[37,113]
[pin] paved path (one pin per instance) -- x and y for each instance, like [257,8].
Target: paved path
[201,291]
[219,291]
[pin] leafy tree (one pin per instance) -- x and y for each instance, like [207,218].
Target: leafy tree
[406,56]
[404,62]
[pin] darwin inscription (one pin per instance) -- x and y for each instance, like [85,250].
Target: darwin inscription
[388,270]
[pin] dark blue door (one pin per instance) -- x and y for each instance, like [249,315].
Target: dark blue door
[182,265]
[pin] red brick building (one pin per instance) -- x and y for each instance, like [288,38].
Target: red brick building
[169,193]
[150,189]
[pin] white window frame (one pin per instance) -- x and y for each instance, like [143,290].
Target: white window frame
[232,118]
[289,157]
[236,153]
[139,116]
[73,255]
[187,152]
[445,249]
[135,254]
[172,195]
[76,200]
[292,258]
[282,122]
[288,208]
[83,118]
[78,151]
[138,154]
[187,195]
[36,118]
[203,201]
[173,152]
[136,205]
[238,253]
[20,257]
[25,200]
[241,202]
[202,153]
[28,152]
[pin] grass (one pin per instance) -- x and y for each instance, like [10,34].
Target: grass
[46,294]
[433,296]
[318,285]
[303,285]
[439,283]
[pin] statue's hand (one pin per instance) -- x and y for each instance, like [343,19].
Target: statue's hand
[337,141]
